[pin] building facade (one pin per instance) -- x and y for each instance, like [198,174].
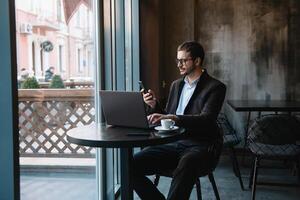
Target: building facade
[55,33]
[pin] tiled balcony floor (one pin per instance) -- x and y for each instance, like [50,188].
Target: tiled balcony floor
[58,186]
[81,186]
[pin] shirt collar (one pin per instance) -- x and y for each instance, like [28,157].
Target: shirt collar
[195,81]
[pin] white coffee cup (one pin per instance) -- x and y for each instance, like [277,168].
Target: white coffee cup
[167,123]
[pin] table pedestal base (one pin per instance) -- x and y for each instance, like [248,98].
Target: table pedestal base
[126,186]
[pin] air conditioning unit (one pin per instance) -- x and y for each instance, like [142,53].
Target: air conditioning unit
[26,28]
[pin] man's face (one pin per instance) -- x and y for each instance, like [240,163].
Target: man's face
[185,63]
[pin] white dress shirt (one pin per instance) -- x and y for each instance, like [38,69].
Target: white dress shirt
[186,94]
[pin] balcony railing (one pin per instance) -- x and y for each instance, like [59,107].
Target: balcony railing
[45,116]
[71,84]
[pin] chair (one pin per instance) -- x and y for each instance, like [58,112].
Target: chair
[231,139]
[215,151]
[273,137]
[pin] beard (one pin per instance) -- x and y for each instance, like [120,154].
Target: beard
[189,71]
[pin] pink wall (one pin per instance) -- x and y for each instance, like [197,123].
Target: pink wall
[39,34]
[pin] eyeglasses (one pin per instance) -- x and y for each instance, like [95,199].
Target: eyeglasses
[182,61]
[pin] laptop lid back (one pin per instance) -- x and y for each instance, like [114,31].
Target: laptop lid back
[124,108]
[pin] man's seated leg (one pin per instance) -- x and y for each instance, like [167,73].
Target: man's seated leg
[185,175]
[150,161]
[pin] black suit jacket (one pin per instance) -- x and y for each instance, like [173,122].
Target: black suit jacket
[201,112]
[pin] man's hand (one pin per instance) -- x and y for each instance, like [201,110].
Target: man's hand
[156,117]
[149,98]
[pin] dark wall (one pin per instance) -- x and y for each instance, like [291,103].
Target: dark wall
[161,31]
[150,43]
[252,46]
[178,26]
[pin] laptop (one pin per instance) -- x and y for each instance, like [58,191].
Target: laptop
[124,109]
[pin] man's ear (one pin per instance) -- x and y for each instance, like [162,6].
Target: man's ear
[198,61]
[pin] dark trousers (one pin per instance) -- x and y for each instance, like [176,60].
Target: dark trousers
[184,160]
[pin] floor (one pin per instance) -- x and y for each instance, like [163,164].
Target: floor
[229,188]
[58,186]
[81,186]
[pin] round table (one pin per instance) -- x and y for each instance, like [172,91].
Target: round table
[97,135]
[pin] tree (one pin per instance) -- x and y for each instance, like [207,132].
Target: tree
[30,83]
[56,82]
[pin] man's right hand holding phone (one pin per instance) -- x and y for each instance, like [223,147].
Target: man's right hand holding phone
[149,98]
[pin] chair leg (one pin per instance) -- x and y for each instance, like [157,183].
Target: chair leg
[251,174]
[255,173]
[233,165]
[236,168]
[298,168]
[156,180]
[213,183]
[198,188]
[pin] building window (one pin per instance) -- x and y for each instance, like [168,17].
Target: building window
[79,60]
[33,57]
[89,63]
[78,17]
[87,21]
[60,58]
[42,61]
[59,17]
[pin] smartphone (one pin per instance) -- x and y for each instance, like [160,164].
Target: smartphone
[142,87]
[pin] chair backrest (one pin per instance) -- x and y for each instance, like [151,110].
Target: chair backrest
[224,124]
[275,130]
[229,134]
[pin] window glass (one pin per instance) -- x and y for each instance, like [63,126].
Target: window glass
[56,70]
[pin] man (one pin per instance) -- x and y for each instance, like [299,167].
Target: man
[24,74]
[194,103]
[49,74]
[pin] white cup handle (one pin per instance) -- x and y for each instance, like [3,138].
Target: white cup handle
[173,123]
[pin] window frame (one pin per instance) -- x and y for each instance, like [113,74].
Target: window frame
[9,172]
[118,42]
[111,62]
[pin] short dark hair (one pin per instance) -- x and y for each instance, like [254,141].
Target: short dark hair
[194,48]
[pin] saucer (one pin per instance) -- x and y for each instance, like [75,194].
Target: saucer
[160,128]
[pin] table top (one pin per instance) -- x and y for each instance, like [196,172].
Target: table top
[97,135]
[265,105]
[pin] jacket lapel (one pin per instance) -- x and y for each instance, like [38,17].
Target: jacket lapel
[177,93]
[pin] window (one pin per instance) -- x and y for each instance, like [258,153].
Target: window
[60,58]
[87,23]
[79,60]
[50,49]
[59,9]
[33,56]
[89,63]
[41,71]
[45,155]
[8,138]
[121,62]
[78,18]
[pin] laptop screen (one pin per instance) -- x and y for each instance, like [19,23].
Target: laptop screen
[124,108]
